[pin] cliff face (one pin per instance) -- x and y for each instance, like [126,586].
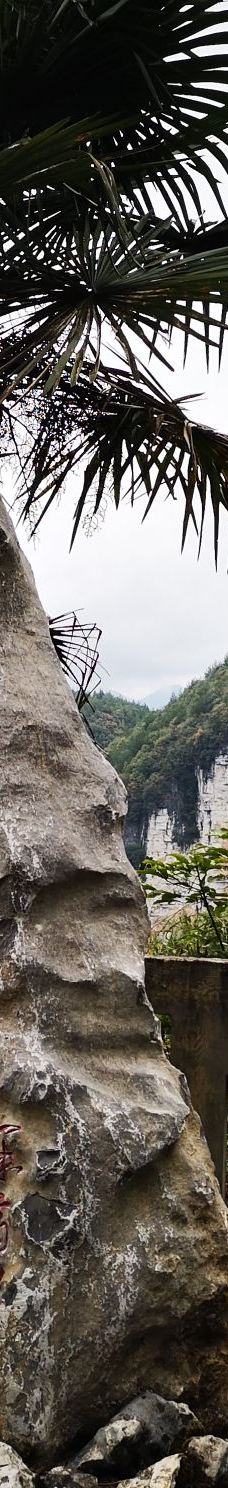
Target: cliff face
[113,1234]
[193,811]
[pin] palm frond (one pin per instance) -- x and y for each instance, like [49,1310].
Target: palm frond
[102,106]
[157,76]
[58,310]
[71,50]
[77,646]
[133,439]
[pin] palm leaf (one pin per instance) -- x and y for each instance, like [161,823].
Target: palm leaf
[165,101]
[77,647]
[82,247]
[57,310]
[116,426]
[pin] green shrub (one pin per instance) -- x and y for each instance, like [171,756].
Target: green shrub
[189,935]
[196,885]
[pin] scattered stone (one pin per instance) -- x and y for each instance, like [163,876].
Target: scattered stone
[65,1477]
[13,1473]
[163,1475]
[139,1435]
[205,1463]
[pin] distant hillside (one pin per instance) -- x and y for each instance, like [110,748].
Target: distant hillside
[112,717]
[159,753]
[147,746]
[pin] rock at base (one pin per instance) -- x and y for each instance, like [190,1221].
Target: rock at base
[65,1477]
[13,1473]
[145,1430]
[205,1464]
[163,1475]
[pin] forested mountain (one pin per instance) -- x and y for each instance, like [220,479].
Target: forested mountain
[147,746]
[112,718]
[159,753]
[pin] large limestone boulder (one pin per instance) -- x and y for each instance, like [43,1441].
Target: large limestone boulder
[114,1247]
[143,1431]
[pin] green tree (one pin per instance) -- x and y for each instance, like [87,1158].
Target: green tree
[106,108]
[112,718]
[198,878]
[190,935]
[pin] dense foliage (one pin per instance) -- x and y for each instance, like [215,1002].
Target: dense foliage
[112,717]
[189,935]
[154,749]
[113,122]
[198,878]
[159,753]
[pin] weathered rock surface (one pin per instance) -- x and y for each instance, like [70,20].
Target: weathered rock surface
[145,1430]
[164,1475]
[114,1268]
[13,1473]
[205,1463]
[65,1476]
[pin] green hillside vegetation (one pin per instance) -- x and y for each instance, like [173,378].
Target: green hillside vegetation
[112,718]
[189,935]
[147,746]
[159,753]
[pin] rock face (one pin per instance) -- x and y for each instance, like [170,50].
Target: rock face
[144,1431]
[65,1476]
[164,1475]
[205,1464]
[112,1230]
[13,1473]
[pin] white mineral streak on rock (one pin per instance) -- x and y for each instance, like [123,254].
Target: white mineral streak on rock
[110,1269]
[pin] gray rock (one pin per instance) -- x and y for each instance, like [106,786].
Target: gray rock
[110,1274]
[65,1477]
[165,1474]
[13,1473]
[223,1470]
[205,1463]
[139,1435]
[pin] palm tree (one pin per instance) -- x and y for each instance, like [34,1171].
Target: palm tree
[106,107]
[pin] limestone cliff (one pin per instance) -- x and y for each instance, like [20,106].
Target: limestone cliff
[112,1230]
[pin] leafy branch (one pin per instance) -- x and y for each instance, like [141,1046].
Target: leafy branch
[196,879]
[102,107]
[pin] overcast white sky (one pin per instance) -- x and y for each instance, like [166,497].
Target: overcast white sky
[163,616]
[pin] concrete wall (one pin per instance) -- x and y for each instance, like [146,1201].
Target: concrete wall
[193,994]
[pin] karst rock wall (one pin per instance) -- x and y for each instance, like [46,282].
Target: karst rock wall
[114,1240]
